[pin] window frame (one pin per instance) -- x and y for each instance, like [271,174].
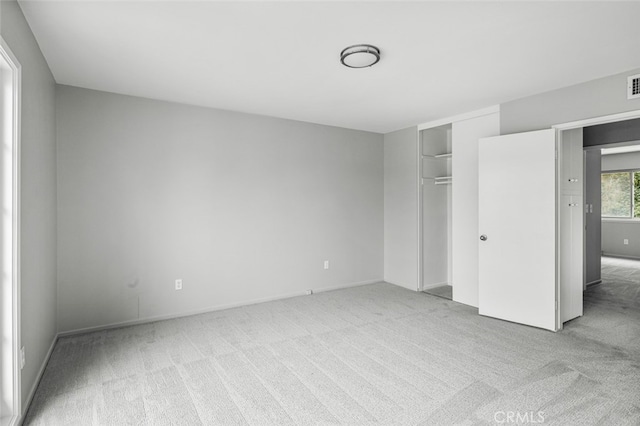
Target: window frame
[632,206]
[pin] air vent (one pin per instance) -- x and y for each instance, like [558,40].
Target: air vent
[633,86]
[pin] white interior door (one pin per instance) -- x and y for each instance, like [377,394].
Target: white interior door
[517,215]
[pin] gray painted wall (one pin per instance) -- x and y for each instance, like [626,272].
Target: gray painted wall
[613,235]
[614,232]
[595,98]
[593,220]
[241,207]
[401,208]
[624,161]
[38,198]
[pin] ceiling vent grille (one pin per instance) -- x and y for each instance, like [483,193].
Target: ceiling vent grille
[633,86]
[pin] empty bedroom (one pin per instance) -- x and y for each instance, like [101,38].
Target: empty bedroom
[319,212]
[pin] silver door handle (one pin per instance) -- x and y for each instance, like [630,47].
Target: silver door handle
[572,204]
[483,237]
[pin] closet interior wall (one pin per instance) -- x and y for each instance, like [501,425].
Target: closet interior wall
[436,183]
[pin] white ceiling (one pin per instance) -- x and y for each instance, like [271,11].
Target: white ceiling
[282,58]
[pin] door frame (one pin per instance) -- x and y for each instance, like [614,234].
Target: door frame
[560,128]
[10,324]
[424,126]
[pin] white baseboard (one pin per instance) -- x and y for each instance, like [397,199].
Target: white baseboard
[407,286]
[212,309]
[622,256]
[15,420]
[18,421]
[593,283]
[427,287]
[32,392]
[342,286]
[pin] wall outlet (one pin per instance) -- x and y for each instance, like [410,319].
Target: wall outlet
[309,292]
[326,264]
[23,358]
[179,284]
[625,242]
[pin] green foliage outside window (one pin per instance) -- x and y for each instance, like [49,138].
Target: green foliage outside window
[621,194]
[636,194]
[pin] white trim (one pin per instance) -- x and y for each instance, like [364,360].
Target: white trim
[436,123]
[623,116]
[593,283]
[11,421]
[47,357]
[611,118]
[605,146]
[629,220]
[349,285]
[430,286]
[460,117]
[610,148]
[213,308]
[13,62]
[559,247]
[405,286]
[36,382]
[419,212]
[621,256]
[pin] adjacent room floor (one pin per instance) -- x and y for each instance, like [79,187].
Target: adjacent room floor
[376,354]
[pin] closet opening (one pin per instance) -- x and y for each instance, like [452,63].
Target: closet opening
[436,185]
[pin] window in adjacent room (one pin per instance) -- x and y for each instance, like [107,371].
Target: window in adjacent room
[621,194]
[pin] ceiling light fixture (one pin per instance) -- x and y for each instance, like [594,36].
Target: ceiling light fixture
[360,56]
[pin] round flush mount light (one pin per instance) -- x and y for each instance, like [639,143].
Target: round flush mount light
[360,56]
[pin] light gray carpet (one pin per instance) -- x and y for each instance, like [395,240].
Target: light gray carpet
[376,354]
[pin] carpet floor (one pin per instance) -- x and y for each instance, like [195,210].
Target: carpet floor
[375,354]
